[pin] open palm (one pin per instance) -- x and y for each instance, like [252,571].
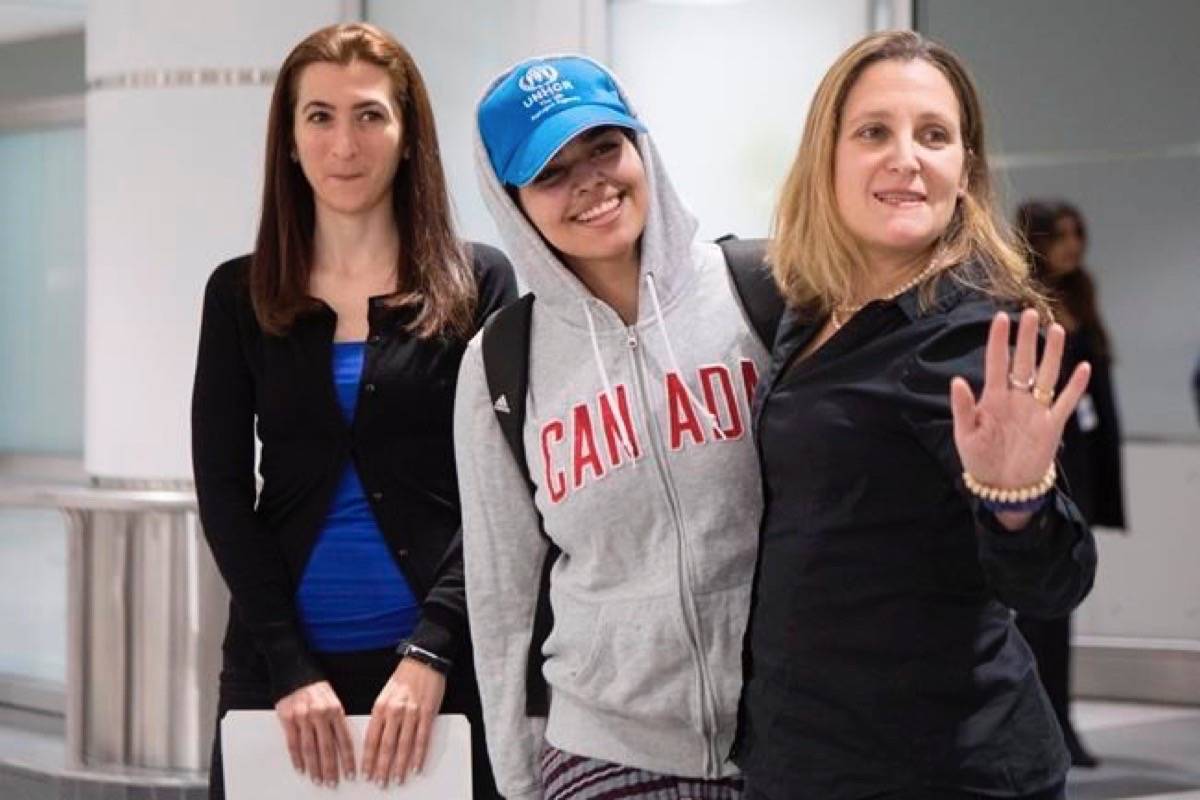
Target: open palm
[1008,437]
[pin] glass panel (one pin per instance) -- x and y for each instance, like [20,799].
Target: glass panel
[41,307]
[33,595]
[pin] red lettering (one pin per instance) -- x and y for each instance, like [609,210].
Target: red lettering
[555,480]
[608,421]
[749,380]
[584,454]
[682,415]
[720,373]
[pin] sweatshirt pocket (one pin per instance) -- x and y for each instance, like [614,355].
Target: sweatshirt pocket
[638,663]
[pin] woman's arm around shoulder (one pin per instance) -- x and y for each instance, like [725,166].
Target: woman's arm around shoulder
[504,550]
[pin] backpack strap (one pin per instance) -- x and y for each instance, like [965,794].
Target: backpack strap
[760,298]
[506,366]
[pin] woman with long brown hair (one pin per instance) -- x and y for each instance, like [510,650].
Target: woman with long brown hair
[905,512]
[338,340]
[1091,454]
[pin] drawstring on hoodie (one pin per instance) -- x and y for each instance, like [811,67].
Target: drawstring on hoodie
[608,390]
[662,326]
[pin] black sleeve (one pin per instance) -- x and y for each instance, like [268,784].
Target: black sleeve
[246,553]
[1109,489]
[442,628]
[1047,568]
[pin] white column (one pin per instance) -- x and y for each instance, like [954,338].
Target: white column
[176,110]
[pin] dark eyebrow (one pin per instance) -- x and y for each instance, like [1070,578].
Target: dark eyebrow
[321,104]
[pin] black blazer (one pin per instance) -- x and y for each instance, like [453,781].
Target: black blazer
[400,440]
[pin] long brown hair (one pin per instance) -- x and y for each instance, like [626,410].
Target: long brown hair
[1073,292]
[817,261]
[434,274]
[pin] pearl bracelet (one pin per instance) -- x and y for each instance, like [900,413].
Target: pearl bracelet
[995,497]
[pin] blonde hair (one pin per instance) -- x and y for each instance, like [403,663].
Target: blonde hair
[815,258]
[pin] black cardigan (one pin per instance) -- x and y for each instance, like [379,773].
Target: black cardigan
[400,440]
[881,653]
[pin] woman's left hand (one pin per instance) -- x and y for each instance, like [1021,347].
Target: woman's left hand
[1008,438]
[401,721]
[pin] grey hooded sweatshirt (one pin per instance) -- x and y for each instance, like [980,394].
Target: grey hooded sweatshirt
[638,441]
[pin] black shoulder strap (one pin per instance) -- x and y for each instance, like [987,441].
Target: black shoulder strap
[746,259]
[506,365]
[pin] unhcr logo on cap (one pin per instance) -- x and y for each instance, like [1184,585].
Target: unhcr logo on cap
[544,88]
[537,75]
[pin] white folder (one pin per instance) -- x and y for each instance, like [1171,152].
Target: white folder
[258,767]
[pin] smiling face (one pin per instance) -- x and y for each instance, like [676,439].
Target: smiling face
[899,160]
[590,200]
[348,136]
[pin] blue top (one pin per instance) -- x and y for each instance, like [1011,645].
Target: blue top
[353,595]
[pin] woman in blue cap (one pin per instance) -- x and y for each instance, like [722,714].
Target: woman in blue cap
[643,473]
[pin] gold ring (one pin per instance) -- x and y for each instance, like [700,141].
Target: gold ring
[1043,396]
[1024,386]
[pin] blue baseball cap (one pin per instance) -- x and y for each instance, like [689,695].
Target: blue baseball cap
[539,106]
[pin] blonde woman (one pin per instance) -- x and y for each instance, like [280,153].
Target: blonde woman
[906,512]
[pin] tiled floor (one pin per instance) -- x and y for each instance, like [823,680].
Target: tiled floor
[1145,751]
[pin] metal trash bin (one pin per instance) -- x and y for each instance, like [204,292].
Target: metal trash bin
[146,613]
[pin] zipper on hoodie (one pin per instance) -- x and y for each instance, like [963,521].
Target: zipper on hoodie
[691,617]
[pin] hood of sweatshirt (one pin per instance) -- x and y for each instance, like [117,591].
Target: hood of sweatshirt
[670,231]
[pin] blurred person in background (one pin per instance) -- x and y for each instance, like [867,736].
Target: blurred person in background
[338,339]
[1091,453]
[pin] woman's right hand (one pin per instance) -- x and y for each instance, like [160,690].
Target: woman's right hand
[318,738]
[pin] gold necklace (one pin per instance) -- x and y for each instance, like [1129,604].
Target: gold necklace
[850,311]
